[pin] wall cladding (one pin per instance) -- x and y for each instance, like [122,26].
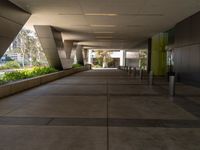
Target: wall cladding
[187,50]
[158,54]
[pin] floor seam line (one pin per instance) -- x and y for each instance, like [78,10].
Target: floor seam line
[107,91]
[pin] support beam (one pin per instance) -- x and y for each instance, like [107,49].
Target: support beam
[122,58]
[79,54]
[52,45]
[68,46]
[90,58]
[12,19]
[85,56]
[73,54]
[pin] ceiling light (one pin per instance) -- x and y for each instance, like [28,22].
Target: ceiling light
[103,25]
[104,37]
[106,32]
[101,14]
[67,14]
[143,14]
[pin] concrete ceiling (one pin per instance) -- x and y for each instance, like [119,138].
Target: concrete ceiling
[108,23]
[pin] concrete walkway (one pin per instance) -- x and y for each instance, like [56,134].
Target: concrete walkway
[101,110]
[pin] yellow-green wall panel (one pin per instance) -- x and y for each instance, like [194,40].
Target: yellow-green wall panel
[159,54]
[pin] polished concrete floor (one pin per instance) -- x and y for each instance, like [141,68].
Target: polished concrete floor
[101,110]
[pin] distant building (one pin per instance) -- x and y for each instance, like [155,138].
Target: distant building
[8,57]
[120,58]
[16,57]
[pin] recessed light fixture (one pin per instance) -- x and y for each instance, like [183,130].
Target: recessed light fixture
[103,25]
[101,14]
[104,37]
[106,32]
[143,14]
[66,14]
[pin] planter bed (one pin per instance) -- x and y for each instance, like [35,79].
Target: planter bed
[22,85]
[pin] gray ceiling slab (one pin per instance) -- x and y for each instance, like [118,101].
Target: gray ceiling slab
[109,20]
[13,13]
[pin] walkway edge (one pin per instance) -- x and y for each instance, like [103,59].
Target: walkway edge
[22,85]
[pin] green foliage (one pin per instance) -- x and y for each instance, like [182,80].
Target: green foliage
[143,59]
[103,58]
[97,66]
[27,73]
[10,65]
[28,46]
[76,65]
[2,81]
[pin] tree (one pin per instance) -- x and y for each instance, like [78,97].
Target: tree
[103,58]
[28,45]
[143,59]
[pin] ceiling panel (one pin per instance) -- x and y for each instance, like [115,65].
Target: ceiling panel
[49,6]
[107,6]
[133,20]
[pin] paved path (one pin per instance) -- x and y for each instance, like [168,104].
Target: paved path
[101,110]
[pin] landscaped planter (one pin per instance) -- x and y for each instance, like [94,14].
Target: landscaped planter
[22,85]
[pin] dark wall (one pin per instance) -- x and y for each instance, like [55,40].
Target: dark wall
[149,55]
[187,50]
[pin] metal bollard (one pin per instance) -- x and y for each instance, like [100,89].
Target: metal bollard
[124,68]
[129,70]
[135,71]
[141,74]
[172,85]
[151,78]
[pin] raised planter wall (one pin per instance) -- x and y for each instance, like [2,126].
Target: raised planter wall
[22,85]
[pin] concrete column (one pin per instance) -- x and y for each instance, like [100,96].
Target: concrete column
[122,58]
[85,56]
[68,46]
[90,59]
[73,55]
[12,19]
[79,54]
[52,45]
[159,54]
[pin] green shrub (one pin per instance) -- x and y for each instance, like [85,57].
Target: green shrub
[76,65]
[10,65]
[27,73]
[12,76]
[2,82]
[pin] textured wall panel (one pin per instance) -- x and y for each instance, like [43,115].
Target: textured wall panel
[187,50]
